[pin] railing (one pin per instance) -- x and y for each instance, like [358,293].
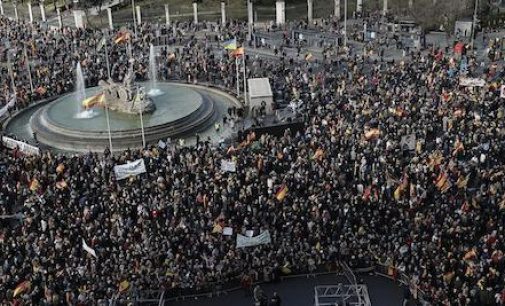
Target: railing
[391,272]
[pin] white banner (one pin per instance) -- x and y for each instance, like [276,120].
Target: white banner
[88,249]
[22,146]
[131,169]
[244,241]
[11,103]
[228,166]
[4,110]
[472,82]
[227,231]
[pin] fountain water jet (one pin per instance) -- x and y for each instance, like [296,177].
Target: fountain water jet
[153,74]
[80,95]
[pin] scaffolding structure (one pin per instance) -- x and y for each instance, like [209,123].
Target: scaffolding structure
[353,294]
[341,295]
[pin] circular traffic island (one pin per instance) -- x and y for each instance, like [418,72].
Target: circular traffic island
[181,111]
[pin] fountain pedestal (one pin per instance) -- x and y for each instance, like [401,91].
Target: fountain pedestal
[130,99]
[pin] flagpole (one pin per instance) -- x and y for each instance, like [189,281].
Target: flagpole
[11,72]
[105,99]
[28,68]
[142,126]
[238,77]
[245,80]
[134,18]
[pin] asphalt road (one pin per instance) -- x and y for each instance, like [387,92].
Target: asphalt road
[300,292]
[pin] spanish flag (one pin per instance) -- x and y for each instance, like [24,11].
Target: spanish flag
[462,181]
[34,185]
[238,52]
[61,184]
[22,287]
[458,147]
[41,90]
[319,154]
[471,254]
[122,37]
[94,100]
[435,159]
[442,182]
[230,44]
[372,134]
[281,193]
[123,286]
[401,188]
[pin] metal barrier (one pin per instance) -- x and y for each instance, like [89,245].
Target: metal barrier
[393,273]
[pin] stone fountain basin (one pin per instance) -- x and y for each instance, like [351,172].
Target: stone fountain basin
[182,110]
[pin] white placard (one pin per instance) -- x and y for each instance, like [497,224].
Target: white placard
[227,231]
[472,82]
[131,169]
[243,241]
[22,146]
[228,166]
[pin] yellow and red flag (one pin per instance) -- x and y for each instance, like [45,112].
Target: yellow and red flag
[319,154]
[372,134]
[399,191]
[462,181]
[41,90]
[122,37]
[94,100]
[281,192]
[238,52]
[34,185]
[123,286]
[22,287]
[458,147]
[442,182]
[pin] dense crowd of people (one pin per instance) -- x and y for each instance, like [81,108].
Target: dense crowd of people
[397,164]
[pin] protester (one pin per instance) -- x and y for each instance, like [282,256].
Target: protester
[346,188]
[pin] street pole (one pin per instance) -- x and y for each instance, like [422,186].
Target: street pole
[134,18]
[28,69]
[42,10]
[109,16]
[245,80]
[11,72]
[16,10]
[142,126]
[105,100]
[238,78]
[167,15]
[345,23]
[30,12]
[474,24]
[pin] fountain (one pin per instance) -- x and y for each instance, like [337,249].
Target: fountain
[153,74]
[80,95]
[181,111]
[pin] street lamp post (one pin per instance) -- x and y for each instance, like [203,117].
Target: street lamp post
[345,23]
[474,23]
[15,4]
[134,18]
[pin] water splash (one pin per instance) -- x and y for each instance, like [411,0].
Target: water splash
[153,74]
[86,114]
[80,87]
